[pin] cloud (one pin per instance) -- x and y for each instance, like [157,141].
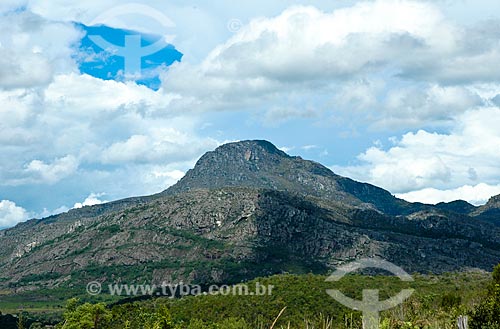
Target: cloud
[384,64]
[309,147]
[471,61]
[95,97]
[417,106]
[304,48]
[195,40]
[304,43]
[279,114]
[11,5]
[11,214]
[160,145]
[81,134]
[46,212]
[449,162]
[52,172]
[91,200]
[359,95]
[286,149]
[33,49]
[174,174]
[496,100]
[478,194]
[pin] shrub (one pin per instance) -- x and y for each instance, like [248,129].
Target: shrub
[450,300]
[496,274]
[487,314]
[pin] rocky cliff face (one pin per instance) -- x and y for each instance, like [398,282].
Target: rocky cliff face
[246,209]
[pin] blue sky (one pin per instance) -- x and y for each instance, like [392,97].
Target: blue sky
[105,63]
[402,94]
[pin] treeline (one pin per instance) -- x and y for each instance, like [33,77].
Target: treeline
[301,302]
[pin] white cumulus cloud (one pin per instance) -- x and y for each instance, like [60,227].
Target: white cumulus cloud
[33,49]
[52,172]
[420,163]
[82,134]
[478,194]
[305,49]
[11,214]
[92,199]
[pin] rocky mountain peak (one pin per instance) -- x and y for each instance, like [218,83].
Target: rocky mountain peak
[251,163]
[490,211]
[241,157]
[244,153]
[260,164]
[494,202]
[251,150]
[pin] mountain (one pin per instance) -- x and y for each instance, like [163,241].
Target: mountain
[259,164]
[246,209]
[490,211]
[458,206]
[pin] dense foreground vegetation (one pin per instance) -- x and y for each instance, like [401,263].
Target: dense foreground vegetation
[300,301]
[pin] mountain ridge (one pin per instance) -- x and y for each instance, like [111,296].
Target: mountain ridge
[246,209]
[258,163]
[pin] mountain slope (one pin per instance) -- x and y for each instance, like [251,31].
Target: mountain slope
[231,234]
[246,209]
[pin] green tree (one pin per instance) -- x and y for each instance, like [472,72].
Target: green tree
[487,314]
[86,316]
[161,319]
